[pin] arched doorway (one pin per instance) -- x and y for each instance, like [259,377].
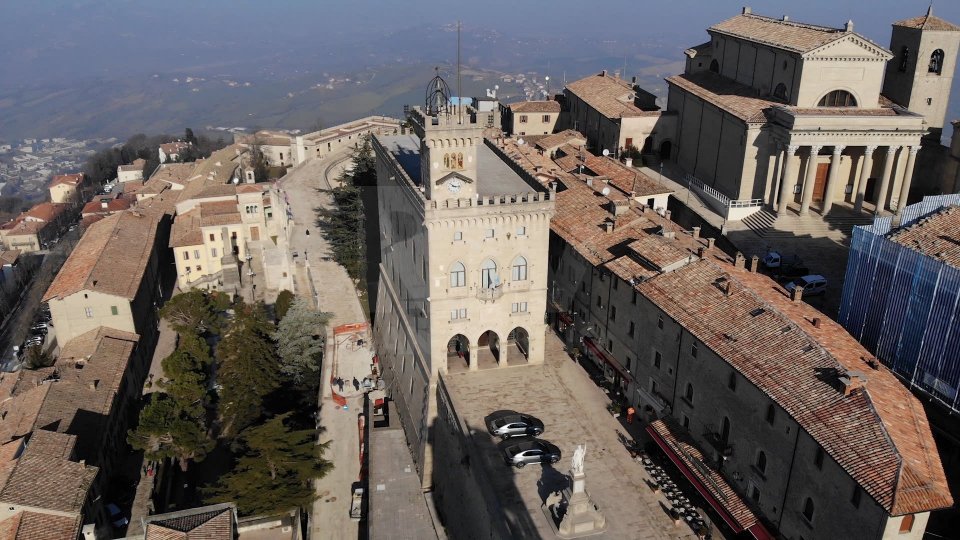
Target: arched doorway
[518,346]
[458,354]
[647,145]
[665,149]
[488,350]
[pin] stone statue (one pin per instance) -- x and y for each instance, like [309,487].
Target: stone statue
[576,465]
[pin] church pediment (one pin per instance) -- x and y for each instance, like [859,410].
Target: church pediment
[849,46]
[449,176]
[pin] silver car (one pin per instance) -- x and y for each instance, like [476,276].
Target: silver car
[515,425]
[520,453]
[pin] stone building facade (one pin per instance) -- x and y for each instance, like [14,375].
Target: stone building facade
[463,269]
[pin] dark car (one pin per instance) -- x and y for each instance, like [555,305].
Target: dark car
[527,451]
[514,425]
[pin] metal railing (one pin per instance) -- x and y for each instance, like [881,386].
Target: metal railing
[724,201]
[489,294]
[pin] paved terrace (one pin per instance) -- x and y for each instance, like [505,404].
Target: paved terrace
[573,409]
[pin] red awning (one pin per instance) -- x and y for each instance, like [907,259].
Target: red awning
[565,317]
[607,358]
[756,529]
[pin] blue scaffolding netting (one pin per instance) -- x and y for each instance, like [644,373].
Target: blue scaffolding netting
[905,306]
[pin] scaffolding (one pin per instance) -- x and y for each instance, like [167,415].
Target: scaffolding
[904,306]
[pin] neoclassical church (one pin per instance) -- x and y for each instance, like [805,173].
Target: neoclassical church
[803,117]
[464,235]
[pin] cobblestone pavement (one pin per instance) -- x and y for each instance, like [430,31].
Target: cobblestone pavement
[573,410]
[320,278]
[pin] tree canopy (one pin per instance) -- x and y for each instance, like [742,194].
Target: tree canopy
[192,311]
[300,338]
[275,470]
[280,307]
[166,431]
[247,368]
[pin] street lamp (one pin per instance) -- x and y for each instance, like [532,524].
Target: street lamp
[547,79]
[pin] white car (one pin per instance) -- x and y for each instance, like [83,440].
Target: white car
[812,284]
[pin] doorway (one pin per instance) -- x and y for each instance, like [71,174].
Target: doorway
[820,183]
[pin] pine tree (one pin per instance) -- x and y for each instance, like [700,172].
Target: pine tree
[191,311]
[282,305]
[300,338]
[165,431]
[247,368]
[185,382]
[276,470]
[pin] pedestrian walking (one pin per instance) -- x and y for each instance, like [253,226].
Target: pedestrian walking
[356,383]
[340,384]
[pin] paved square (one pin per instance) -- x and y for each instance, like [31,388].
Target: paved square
[573,410]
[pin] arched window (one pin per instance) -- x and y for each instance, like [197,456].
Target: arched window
[458,275]
[906,525]
[688,393]
[936,62]
[771,413]
[808,509]
[780,92]
[519,270]
[715,66]
[732,381]
[762,462]
[904,58]
[725,430]
[838,98]
[488,274]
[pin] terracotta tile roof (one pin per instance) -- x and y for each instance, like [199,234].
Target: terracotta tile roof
[659,252]
[173,173]
[610,96]
[787,35]
[623,178]
[215,522]
[87,221]
[842,111]
[212,176]
[692,52]
[70,179]
[20,227]
[929,22]
[26,525]
[878,434]
[111,257]
[535,107]
[936,236]
[737,99]
[91,369]
[48,481]
[252,188]
[685,449]
[9,256]
[18,414]
[46,211]
[186,229]
[557,140]
[174,147]
[9,452]
[116,204]
[136,166]
[131,187]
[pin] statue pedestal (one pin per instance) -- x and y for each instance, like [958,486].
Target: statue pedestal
[576,516]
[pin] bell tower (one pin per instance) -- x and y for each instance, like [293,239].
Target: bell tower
[449,135]
[921,72]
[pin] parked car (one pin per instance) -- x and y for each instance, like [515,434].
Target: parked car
[39,324]
[514,425]
[38,331]
[774,260]
[791,272]
[117,519]
[812,284]
[521,453]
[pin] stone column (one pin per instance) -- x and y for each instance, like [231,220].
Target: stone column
[774,181]
[865,169]
[472,364]
[786,180]
[907,178]
[885,179]
[832,179]
[809,180]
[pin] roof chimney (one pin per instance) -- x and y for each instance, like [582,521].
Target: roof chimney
[816,322]
[603,73]
[853,380]
[710,242]
[796,295]
[746,10]
[608,226]
[785,18]
[94,383]
[700,251]
[738,260]
[104,204]
[754,263]
[696,232]
[666,214]
[849,26]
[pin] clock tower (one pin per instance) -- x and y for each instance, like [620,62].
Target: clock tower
[449,135]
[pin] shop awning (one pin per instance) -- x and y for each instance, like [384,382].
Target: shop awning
[708,482]
[565,317]
[608,359]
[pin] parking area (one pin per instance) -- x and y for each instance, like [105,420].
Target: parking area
[573,410]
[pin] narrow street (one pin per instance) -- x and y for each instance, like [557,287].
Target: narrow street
[318,276]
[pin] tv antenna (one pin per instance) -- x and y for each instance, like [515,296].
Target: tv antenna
[459,89]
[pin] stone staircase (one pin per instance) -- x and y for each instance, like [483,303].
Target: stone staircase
[837,224]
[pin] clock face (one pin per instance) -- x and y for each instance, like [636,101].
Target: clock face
[454,185]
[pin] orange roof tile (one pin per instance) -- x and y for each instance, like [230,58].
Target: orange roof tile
[935,236]
[737,99]
[48,480]
[929,22]
[112,205]
[610,96]
[46,211]
[787,35]
[27,525]
[70,179]
[111,257]
[535,107]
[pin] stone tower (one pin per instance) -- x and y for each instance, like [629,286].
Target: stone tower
[448,153]
[920,74]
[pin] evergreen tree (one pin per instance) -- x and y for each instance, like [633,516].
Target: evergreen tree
[247,368]
[191,311]
[166,431]
[185,383]
[280,307]
[300,338]
[276,470]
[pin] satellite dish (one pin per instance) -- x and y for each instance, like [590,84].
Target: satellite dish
[236,180]
[496,87]
[520,141]
[605,191]
[606,152]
